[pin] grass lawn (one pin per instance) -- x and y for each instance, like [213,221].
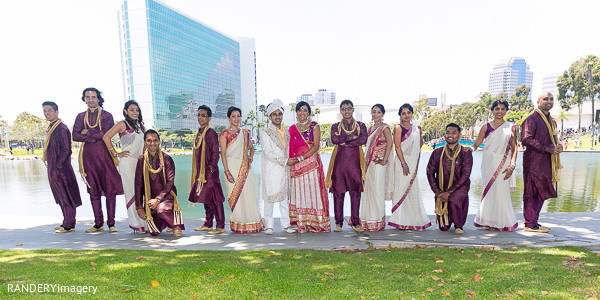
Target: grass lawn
[420,273]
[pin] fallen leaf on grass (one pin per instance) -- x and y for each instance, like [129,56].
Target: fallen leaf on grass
[126,290]
[255,293]
[231,276]
[514,248]
[477,278]
[435,277]
[93,268]
[479,255]
[272,252]
[478,270]
[440,284]
[3,278]
[139,257]
[398,270]
[598,255]
[439,261]
[523,294]
[417,246]
[429,290]
[266,270]
[544,293]
[510,256]
[362,298]
[154,283]
[446,293]
[93,264]
[208,274]
[470,292]
[323,279]
[327,273]
[438,271]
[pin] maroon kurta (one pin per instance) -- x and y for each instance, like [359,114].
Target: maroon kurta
[102,174]
[458,202]
[346,175]
[537,167]
[211,192]
[163,214]
[61,176]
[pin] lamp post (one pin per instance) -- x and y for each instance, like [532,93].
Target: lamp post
[593,110]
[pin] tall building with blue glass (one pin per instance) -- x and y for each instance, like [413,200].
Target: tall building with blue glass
[509,74]
[172,63]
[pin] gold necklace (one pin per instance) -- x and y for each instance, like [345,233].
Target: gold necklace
[87,122]
[354,125]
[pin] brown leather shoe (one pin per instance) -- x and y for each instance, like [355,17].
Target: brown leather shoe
[94,229]
[217,231]
[458,231]
[112,229]
[176,232]
[338,228]
[358,228]
[540,229]
[63,230]
[203,228]
[59,227]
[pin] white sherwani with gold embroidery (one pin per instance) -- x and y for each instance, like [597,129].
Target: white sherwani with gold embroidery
[275,175]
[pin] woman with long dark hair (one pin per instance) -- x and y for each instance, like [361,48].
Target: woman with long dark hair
[131,132]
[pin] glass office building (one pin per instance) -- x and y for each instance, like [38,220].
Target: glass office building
[509,74]
[172,63]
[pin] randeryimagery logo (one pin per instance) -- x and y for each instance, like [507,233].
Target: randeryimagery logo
[51,288]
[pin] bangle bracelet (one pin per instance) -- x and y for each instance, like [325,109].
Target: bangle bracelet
[111,149]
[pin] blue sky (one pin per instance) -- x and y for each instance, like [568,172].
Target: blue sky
[367,51]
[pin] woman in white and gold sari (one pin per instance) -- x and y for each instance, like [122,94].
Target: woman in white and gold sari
[408,211]
[241,190]
[497,166]
[379,146]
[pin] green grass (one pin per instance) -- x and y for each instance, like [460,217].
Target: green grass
[564,273]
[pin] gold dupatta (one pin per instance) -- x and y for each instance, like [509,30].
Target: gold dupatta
[47,141]
[177,220]
[361,154]
[441,207]
[87,125]
[202,171]
[555,158]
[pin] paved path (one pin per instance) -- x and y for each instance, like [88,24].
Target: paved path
[568,229]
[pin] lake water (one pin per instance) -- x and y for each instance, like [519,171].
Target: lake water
[25,190]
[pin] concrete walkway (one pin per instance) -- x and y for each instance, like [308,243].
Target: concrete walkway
[568,229]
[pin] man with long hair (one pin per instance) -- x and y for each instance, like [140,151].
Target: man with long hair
[96,165]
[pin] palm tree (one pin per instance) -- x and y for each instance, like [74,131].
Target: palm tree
[562,118]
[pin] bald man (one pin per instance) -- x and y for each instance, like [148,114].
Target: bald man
[541,161]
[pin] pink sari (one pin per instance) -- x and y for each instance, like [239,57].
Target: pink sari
[309,206]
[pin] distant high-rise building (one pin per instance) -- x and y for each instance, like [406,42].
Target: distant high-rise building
[172,63]
[549,84]
[509,74]
[308,98]
[437,102]
[324,97]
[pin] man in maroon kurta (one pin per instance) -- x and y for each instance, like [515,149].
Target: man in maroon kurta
[57,156]
[96,163]
[537,161]
[207,189]
[346,173]
[452,195]
[161,199]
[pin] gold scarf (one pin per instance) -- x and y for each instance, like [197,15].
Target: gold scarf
[355,126]
[441,207]
[555,158]
[86,125]
[177,220]
[202,175]
[47,141]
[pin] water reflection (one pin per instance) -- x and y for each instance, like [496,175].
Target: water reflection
[25,190]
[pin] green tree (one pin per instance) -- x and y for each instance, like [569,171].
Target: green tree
[519,100]
[562,118]
[29,128]
[422,110]
[316,112]
[4,129]
[574,85]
